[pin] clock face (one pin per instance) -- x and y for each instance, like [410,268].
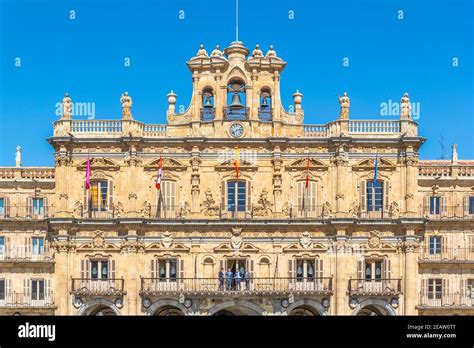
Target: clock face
[236,130]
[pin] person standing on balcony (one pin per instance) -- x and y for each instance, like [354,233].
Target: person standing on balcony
[237,279]
[229,279]
[221,279]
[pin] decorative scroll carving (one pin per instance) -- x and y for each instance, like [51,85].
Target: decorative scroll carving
[263,206]
[209,206]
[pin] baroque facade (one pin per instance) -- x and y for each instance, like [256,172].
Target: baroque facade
[302,228]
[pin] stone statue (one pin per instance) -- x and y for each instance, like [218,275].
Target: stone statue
[271,52]
[146,210]
[185,208]
[326,210]
[18,156]
[202,53]
[126,106]
[78,209]
[217,52]
[67,107]
[209,206]
[394,210]
[345,105]
[118,209]
[264,206]
[405,107]
[354,209]
[257,52]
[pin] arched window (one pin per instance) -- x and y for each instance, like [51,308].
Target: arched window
[265,107]
[207,111]
[305,199]
[209,268]
[167,200]
[264,268]
[236,101]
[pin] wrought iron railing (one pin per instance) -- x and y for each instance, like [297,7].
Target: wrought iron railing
[208,114]
[375,287]
[447,299]
[458,212]
[449,255]
[104,287]
[24,253]
[26,212]
[236,114]
[265,114]
[234,287]
[14,299]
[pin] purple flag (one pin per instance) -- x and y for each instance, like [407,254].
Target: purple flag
[88,174]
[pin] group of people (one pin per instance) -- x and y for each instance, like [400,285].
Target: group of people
[238,280]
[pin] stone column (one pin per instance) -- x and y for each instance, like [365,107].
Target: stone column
[410,275]
[61,295]
[341,183]
[411,185]
[340,284]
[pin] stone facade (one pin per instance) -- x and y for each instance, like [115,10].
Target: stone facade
[301,217]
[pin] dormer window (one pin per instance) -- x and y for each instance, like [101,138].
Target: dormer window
[265,108]
[207,112]
[236,101]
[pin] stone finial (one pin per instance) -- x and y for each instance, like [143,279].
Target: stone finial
[126,101]
[202,53]
[67,107]
[405,107]
[171,102]
[271,52]
[257,52]
[297,99]
[18,156]
[345,105]
[454,154]
[216,52]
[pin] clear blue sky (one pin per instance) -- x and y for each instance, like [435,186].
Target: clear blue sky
[85,57]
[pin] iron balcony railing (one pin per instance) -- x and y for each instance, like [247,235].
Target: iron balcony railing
[24,253]
[14,299]
[375,287]
[231,286]
[265,114]
[102,287]
[309,211]
[377,212]
[448,255]
[437,299]
[458,212]
[15,212]
[163,212]
[236,114]
[208,114]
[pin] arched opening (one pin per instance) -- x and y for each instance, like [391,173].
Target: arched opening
[169,311]
[236,100]
[236,307]
[235,311]
[265,107]
[304,311]
[372,310]
[207,111]
[102,310]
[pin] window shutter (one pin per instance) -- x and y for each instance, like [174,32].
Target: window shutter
[222,263]
[250,266]
[423,290]
[465,205]
[7,206]
[363,197]
[26,288]
[319,267]
[29,203]
[47,287]
[111,195]
[249,196]
[45,205]
[181,269]
[291,269]
[386,194]
[463,290]
[85,269]
[223,202]
[443,205]
[387,269]
[85,206]
[7,248]
[153,268]
[360,269]
[8,287]
[444,246]
[112,269]
[426,205]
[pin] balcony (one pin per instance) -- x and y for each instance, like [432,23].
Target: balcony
[236,114]
[458,212]
[383,212]
[208,114]
[375,287]
[26,300]
[446,255]
[17,254]
[265,114]
[447,300]
[98,287]
[221,287]
[14,212]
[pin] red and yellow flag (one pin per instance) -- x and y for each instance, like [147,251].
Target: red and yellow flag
[160,173]
[236,163]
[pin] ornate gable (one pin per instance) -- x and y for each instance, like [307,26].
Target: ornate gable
[369,164]
[302,164]
[99,163]
[168,164]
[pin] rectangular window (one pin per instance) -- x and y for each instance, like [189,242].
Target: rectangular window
[37,289]
[304,270]
[373,270]
[435,245]
[2,207]
[99,269]
[435,205]
[98,195]
[471,205]
[37,206]
[2,289]
[306,196]
[167,197]
[2,246]
[236,195]
[167,269]
[38,245]
[374,196]
[435,288]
